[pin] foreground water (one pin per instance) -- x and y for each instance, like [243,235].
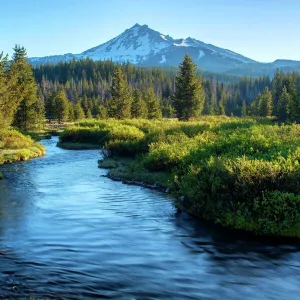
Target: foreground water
[66,232]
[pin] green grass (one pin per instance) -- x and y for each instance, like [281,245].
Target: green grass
[15,146]
[242,173]
[46,130]
[131,170]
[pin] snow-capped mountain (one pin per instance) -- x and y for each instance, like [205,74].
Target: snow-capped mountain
[144,46]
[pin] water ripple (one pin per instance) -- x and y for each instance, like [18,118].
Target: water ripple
[66,232]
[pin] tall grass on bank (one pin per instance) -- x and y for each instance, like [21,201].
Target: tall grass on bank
[241,173]
[15,146]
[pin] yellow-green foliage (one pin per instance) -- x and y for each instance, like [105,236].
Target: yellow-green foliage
[243,173]
[118,138]
[15,146]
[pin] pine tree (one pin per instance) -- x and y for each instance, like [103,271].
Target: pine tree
[119,105]
[7,109]
[78,112]
[244,109]
[50,111]
[254,106]
[39,112]
[71,112]
[88,114]
[276,90]
[138,106]
[294,106]
[266,103]
[212,107]
[284,105]
[153,105]
[221,107]
[101,112]
[168,110]
[189,96]
[25,90]
[62,107]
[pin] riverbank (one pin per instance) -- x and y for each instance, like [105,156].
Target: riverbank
[48,129]
[78,146]
[240,173]
[15,147]
[131,171]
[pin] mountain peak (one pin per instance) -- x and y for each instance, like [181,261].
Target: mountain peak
[137,25]
[144,46]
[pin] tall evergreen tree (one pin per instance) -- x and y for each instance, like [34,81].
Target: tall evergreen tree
[284,105]
[101,112]
[266,103]
[254,106]
[88,114]
[71,112]
[138,106]
[153,105]
[78,111]
[50,111]
[25,90]
[276,90]
[221,106]
[119,106]
[189,96]
[294,107]
[244,109]
[7,109]
[62,107]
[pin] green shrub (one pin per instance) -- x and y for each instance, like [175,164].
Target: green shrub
[278,213]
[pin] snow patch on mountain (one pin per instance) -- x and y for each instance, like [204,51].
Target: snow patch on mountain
[201,54]
[183,43]
[163,37]
[163,59]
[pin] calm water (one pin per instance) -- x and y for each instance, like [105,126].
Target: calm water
[66,232]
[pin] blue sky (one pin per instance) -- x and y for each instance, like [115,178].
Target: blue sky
[263,30]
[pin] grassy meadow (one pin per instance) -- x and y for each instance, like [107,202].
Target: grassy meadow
[242,173]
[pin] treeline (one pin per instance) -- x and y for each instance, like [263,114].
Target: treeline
[89,83]
[282,100]
[87,89]
[125,91]
[20,103]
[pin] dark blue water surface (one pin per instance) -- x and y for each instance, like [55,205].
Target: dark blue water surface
[67,232]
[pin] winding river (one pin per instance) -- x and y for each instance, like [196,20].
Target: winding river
[68,232]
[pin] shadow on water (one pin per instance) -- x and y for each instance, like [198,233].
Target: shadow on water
[204,233]
[67,232]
